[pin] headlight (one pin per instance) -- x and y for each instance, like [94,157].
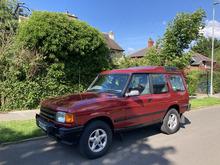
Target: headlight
[60,117]
[63,117]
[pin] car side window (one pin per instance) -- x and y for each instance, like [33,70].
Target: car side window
[176,82]
[140,82]
[159,82]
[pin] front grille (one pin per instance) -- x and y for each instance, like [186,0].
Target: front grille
[48,113]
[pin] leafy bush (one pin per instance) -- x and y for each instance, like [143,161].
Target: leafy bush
[128,62]
[27,95]
[51,52]
[68,47]
[192,84]
[202,84]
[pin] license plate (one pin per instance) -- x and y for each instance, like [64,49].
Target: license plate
[42,125]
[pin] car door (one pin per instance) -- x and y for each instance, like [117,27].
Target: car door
[179,91]
[138,109]
[161,95]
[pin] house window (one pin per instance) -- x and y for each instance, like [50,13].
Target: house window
[208,65]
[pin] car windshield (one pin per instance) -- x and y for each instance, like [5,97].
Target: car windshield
[109,83]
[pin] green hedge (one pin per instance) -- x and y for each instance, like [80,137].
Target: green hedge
[28,95]
[192,84]
[197,81]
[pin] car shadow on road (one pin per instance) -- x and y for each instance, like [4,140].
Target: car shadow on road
[187,122]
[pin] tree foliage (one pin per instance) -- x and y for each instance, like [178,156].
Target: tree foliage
[180,32]
[68,47]
[204,47]
[8,27]
[128,62]
[52,55]
[153,57]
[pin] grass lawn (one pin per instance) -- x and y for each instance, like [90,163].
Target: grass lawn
[12,131]
[204,102]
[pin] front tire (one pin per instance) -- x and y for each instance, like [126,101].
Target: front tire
[171,123]
[95,139]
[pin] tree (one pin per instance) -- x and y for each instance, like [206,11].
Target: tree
[9,11]
[180,32]
[204,47]
[153,57]
[68,47]
[52,55]
[8,27]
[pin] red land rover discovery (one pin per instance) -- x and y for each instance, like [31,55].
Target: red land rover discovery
[116,101]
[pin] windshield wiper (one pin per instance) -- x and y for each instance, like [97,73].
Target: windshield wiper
[92,90]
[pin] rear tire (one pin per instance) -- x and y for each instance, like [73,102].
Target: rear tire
[171,122]
[95,139]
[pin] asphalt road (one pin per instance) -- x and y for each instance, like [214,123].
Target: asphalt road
[196,143]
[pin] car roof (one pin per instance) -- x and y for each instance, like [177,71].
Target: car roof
[145,69]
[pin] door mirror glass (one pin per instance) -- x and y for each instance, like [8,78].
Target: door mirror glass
[132,93]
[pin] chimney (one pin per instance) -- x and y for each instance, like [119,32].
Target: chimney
[150,43]
[111,35]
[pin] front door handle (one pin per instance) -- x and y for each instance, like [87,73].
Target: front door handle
[149,100]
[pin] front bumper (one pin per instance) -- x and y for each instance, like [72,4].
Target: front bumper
[65,135]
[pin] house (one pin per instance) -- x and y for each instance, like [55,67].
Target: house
[198,61]
[141,53]
[114,48]
[111,44]
[201,62]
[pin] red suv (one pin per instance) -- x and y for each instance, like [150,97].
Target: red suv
[116,101]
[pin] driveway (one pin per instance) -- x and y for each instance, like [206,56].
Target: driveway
[197,142]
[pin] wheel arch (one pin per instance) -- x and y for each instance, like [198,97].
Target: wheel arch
[175,106]
[105,119]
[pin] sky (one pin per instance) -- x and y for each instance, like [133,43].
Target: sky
[132,21]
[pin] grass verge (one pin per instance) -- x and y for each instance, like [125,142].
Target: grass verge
[204,102]
[12,131]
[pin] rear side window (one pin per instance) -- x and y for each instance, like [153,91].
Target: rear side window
[159,82]
[176,83]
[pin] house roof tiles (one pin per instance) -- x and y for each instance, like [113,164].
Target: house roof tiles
[141,53]
[111,43]
[198,58]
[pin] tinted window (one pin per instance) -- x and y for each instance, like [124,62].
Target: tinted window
[176,83]
[159,82]
[140,82]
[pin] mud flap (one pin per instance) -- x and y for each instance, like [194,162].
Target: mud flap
[182,119]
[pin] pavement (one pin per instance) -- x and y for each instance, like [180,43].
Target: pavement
[202,95]
[18,115]
[30,114]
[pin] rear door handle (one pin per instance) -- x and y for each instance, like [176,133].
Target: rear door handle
[149,100]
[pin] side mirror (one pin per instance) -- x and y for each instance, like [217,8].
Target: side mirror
[132,93]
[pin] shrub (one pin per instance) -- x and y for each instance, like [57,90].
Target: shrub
[50,53]
[204,81]
[192,84]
